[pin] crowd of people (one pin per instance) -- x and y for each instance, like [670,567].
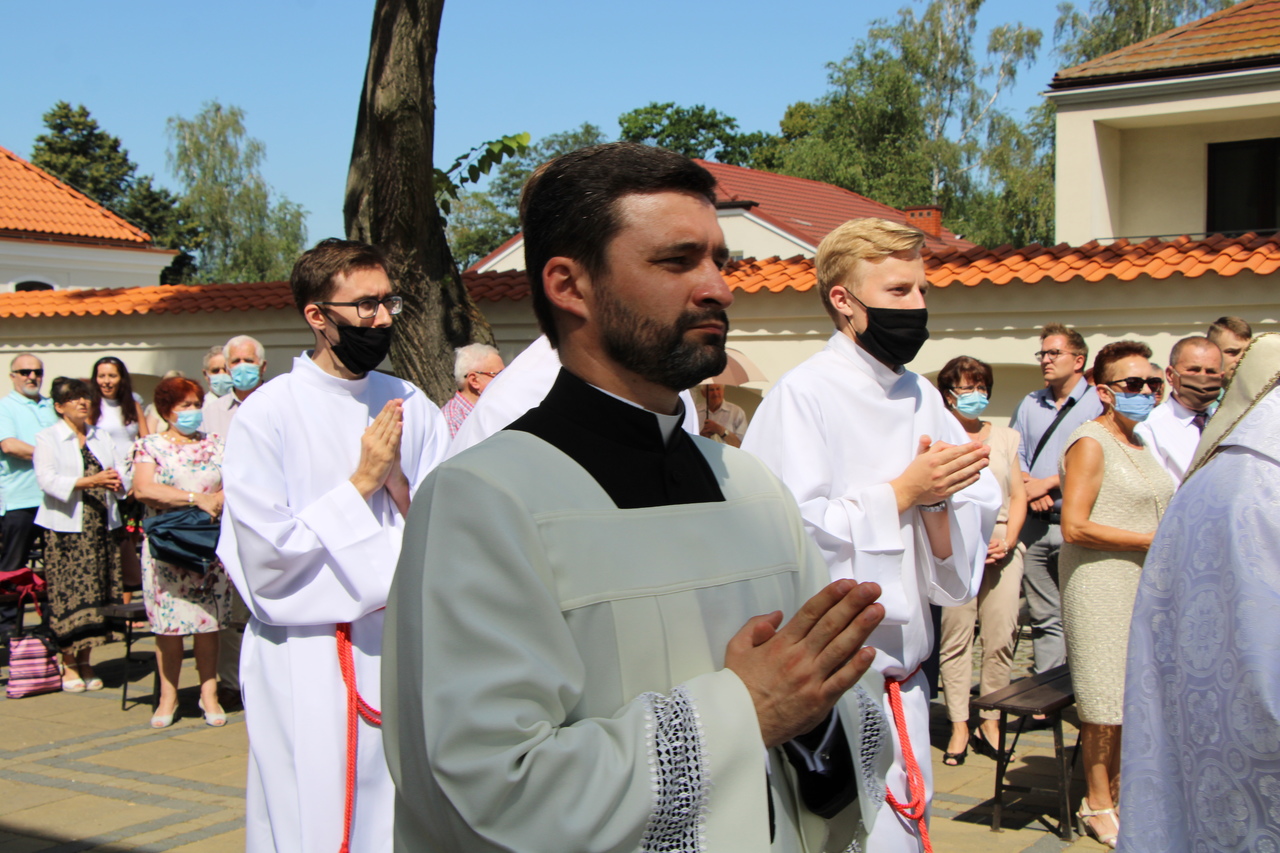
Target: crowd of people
[546,615]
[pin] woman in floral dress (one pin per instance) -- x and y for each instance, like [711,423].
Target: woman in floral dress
[177,468]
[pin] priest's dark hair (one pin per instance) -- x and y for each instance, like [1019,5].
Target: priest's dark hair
[314,275]
[1113,352]
[569,206]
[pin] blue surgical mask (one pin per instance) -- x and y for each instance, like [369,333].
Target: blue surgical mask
[1135,406]
[972,404]
[189,421]
[220,384]
[245,376]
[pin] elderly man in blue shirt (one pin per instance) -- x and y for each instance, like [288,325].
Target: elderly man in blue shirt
[1044,419]
[23,413]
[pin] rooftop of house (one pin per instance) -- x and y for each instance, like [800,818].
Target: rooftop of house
[806,210]
[1246,35]
[1093,262]
[36,205]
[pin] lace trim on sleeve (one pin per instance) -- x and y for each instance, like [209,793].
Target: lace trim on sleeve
[872,740]
[678,765]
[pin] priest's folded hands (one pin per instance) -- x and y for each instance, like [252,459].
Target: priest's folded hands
[796,674]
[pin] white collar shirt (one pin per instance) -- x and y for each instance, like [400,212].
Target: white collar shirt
[1172,435]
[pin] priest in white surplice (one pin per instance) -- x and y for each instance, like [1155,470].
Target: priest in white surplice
[576,658]
[1200,759]
[320,468]
[887,483]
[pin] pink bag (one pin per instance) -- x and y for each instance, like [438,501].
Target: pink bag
[33,659]
[33,667]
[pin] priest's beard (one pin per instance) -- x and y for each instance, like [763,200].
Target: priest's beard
[657,353]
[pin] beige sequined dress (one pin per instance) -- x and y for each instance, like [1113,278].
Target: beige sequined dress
[1098,587]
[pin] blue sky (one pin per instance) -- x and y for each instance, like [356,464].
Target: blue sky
[297,67]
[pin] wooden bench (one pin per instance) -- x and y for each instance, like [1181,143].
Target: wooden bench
[1047,693]
[128,614]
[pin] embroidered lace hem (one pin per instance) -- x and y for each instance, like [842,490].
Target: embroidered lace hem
[677,765]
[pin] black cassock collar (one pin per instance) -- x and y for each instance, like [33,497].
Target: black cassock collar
[621,447]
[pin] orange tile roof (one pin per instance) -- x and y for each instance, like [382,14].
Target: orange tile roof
[34,203]
[155,299]
[807,209]
[1246,35]
[1121,261]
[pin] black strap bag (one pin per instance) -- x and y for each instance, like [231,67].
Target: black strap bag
[185,537]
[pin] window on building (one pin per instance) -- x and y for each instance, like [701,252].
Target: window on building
[1244,187]
[26,286]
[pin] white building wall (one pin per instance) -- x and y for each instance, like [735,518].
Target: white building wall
[67,265]
[1131,159]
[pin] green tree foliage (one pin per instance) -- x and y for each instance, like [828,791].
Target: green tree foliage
[692,131]
[505,187]
[477,226]
[247,234]
[912,118]
[1110,25]
[482,220]
[80,153]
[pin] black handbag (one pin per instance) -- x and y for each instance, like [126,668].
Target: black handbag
[186,537]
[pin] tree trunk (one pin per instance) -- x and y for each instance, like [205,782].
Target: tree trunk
[390,200]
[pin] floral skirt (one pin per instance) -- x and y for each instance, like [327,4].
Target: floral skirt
[83,573]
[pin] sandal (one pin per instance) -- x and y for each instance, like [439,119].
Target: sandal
[73,685]
[1085,827]
[955,759]
[92,682]
[217,718]
[982,746]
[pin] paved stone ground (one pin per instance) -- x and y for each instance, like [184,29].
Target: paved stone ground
[79,774]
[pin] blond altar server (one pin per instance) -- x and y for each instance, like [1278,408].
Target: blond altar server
[518,388]
[320,468]
[888,485]
[586,646]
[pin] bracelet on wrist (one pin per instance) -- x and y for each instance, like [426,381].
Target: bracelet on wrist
[940,506]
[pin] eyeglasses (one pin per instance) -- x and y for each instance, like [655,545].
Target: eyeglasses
[489,373]
[367,309]
[1134,384]
[31,371]
[1054,354]
[968,389]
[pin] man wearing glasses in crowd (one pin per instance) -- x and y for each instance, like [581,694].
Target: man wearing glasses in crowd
[23,413]
[320,467]
[1044,419]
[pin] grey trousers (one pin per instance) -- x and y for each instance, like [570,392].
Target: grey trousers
[1040,585]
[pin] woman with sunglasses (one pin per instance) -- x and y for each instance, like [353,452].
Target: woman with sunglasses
[1113,494]
[81,478]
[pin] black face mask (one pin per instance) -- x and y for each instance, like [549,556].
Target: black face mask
[894,335]
[361,348]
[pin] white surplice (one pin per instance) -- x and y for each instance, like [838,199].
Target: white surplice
[306,552]
[520,386]
[1200,757]
[556,680]
[836,430]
